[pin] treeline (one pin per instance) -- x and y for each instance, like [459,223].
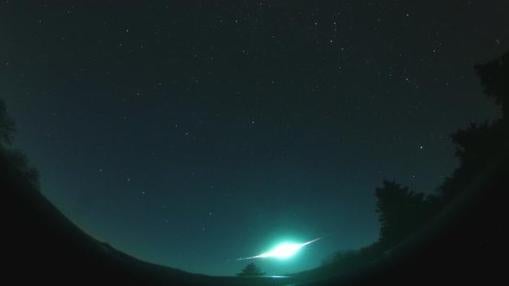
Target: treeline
[402,212]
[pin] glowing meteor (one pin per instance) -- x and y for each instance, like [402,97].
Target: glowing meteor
[283,250]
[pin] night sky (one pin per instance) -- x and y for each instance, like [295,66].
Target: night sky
[191,133]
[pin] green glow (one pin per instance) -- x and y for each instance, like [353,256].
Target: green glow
[282,251]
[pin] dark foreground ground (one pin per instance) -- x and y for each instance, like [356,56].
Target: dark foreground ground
[40,244]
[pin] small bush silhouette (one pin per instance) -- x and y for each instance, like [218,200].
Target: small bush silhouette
[251,270]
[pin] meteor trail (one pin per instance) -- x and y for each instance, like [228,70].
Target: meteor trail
[282,251]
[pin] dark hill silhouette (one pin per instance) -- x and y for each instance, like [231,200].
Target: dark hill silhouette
[40,244]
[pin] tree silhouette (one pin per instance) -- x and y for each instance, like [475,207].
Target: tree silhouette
[251,270]
[6,126]
[401,212]
[480,144]
[494,77]
[476,148]
[14,165]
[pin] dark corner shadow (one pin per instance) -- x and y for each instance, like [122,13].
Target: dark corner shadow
[462,244]
[42,245]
